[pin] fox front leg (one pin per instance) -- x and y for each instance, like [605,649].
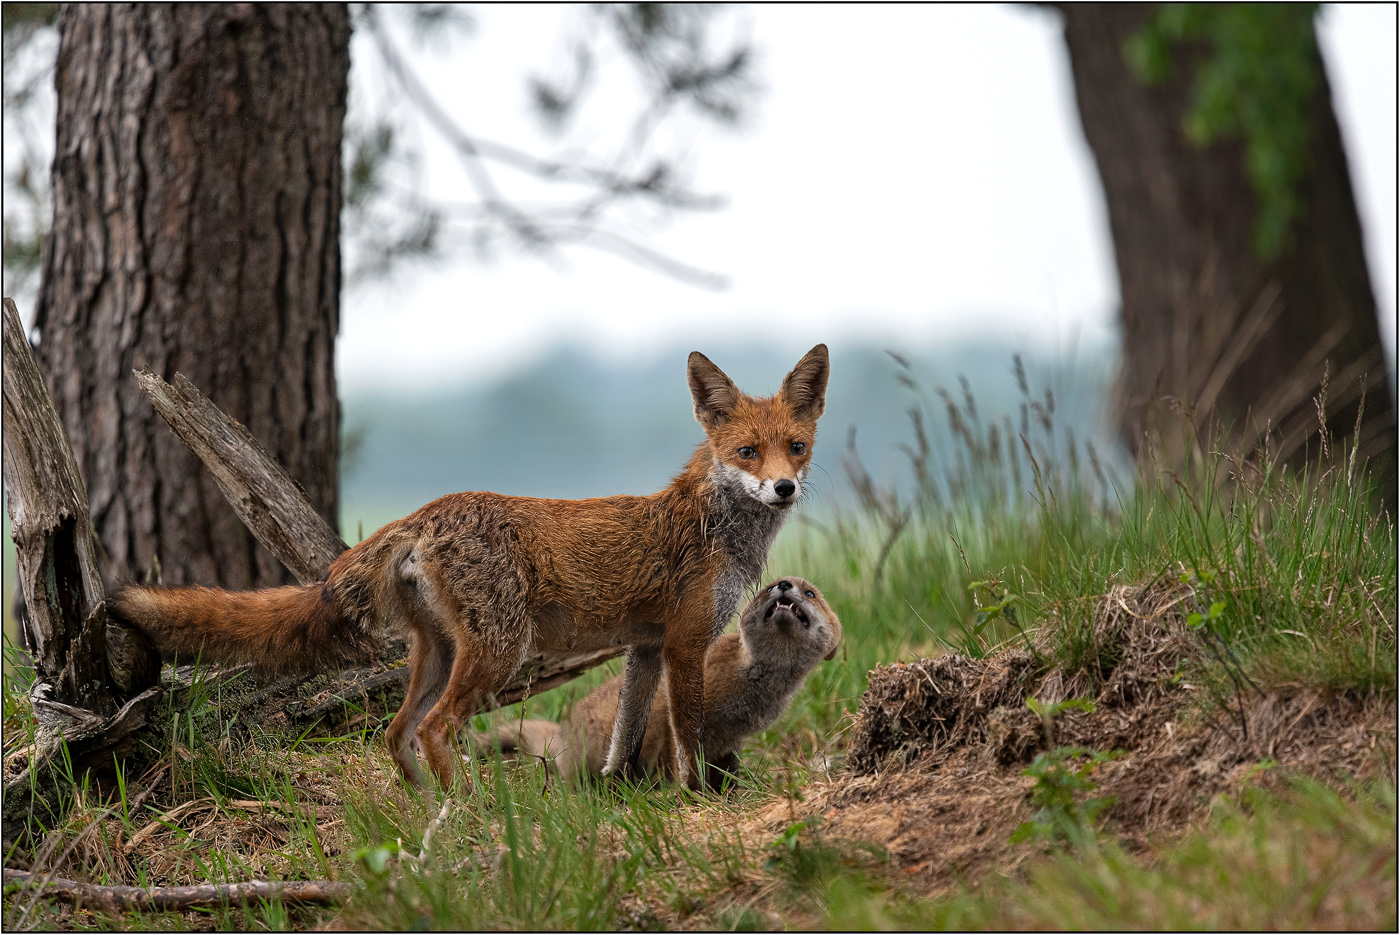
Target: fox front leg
[638,687]
[685,683]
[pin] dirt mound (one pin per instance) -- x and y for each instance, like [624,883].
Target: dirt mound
[917,709]
[934,771]
[1135,652]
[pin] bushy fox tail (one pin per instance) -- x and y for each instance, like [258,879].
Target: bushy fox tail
[288,630]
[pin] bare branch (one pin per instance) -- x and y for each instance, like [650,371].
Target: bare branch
[674,77]
[164,898]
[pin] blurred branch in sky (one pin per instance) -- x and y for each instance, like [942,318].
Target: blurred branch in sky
[676,61]
[30,43]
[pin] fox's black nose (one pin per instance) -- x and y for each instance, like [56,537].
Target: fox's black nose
[784,488]
[784,586]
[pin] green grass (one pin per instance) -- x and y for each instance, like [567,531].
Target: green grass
[1305,569]
[1012,535]
[1307,858]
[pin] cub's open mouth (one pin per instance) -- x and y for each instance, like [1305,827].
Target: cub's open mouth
[786,604]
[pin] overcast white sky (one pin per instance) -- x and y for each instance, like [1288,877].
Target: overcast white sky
[913,174]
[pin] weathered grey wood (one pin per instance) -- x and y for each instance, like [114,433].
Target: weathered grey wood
[162,898]
[84,663]
[279,515]
[53,536]
[268,500]
[378,691]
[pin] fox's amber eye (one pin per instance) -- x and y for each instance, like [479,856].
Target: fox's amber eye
[746,453]
[797,448]
[810,593]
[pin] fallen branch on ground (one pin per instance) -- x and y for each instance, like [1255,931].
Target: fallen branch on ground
[160,898]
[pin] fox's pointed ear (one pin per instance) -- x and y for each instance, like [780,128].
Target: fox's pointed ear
[713,393]
[804,389]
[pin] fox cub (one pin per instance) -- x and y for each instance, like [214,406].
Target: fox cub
[785,632]
[479,580]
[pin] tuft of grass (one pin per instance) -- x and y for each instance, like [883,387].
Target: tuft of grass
[1008,539]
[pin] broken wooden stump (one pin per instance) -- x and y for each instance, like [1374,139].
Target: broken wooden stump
[93,678]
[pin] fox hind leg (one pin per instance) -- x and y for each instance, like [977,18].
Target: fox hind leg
[430,661]
[479,670]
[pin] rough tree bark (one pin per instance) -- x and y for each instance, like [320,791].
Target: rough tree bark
[1204,319]
[196,190]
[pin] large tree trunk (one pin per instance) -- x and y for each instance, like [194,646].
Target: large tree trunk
[196,190]
[1207,323]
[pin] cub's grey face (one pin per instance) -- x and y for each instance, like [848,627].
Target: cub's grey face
[792,611]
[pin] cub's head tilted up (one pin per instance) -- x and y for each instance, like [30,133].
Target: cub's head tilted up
[762,447]
[790,620]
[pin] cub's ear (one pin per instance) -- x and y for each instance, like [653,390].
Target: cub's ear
[804,389]
[713,393]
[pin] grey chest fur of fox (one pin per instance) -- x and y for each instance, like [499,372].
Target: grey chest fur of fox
[744,528]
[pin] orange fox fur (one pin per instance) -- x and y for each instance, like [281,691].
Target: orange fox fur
[476,580]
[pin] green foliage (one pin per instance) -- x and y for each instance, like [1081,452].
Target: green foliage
[1310,858]
[28,31]
[1047,711]
[1256,83]
[1062,780]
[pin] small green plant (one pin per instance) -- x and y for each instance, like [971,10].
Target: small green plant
[803,864]
[375,858]
[1000,604]
[808,863]
[1061,777]
[1209,623]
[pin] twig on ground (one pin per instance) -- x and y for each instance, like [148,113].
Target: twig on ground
[160,898]
[136,802]
[432,829]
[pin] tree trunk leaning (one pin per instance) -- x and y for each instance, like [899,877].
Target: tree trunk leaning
[1207,325]
[196,195]
[266,498]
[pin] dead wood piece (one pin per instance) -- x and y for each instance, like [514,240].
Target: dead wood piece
[268,499]
[161,898]
[66,619]
[79,684]
[380,691]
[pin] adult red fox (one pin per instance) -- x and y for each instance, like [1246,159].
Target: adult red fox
[479,580]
